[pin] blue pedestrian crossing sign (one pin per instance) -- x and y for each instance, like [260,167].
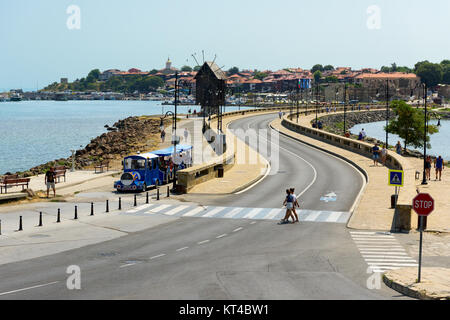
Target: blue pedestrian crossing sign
[396,178]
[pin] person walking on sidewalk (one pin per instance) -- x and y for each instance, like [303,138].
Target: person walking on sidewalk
[398,148]
[428,168]
[439,165]
[186,135]
[163,135]
[383,155]
[375,154]
[50,177]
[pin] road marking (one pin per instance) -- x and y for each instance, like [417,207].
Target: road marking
[175,210]
[181,249]
[127,265]
[145,206]
[238,229]
[313,216]
[221,236]
[29,288]
[390,260]
[203,242]
[233,212]
[158,256]
[160,208]
[333,217]
[393,264]
[272,214]
[213,212]
[193,212]
[253,222]
[252,213]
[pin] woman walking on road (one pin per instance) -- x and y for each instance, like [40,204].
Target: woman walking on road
[289,203]
[295,204]
[428,168]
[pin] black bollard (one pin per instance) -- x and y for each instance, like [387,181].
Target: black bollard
[168,192]
[20,224]
[58,218]
[107,205]
[40,219]
[120,203]
[135,201]
[92,208]
[76,213]
[146,199]
[157,194]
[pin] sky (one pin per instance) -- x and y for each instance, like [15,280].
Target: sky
[37,47]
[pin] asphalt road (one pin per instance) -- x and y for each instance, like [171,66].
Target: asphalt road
[200,258]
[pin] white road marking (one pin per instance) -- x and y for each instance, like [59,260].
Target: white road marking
[181,249]
[158,256]
[233,212]
[193,211]
[333,217]
[175,210]
[313,216]
[238,229]
[213,212]
[393,264]
[253,222]
[145,206]
[29,288]
[221,236]
[127,265]
[203,242]
[160,208]
[252,213]
[272,214]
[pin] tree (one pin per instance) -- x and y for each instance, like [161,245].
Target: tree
[260,75]
[446,75]
[430,73]
[197,68]
[331,79]
[317,76]
[409,125]
[328,67]
[317,67]
[154,71]
[186,69]
[233,70]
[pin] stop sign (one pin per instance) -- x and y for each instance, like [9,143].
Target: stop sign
[423,204]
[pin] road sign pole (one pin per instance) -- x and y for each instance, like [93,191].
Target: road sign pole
[420,254]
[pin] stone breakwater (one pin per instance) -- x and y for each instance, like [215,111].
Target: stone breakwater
[125,136]
[334,123]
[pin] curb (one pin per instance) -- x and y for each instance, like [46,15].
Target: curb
[403,289]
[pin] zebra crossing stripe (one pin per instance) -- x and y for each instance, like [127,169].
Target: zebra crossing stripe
[158,209]
[252,213]
[213,212]
[333,217]
[313,216]
[378,264]
[233,212]
[272,214]
[176,210]
[193,212]
[140,208]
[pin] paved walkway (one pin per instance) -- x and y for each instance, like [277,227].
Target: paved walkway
[434,284]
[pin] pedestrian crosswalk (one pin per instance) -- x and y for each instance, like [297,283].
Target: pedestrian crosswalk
[237,213]
[382,251]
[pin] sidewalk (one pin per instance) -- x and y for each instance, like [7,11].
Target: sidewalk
[241,175]
[434,284]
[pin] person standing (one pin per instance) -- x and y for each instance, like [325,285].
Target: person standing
[439,165]
[383,155]
[428,168]
[186,134]
[398,148]
[280,114]
[375,154]
[50,177]
[163,135]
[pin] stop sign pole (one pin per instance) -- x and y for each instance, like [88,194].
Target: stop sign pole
[423,205]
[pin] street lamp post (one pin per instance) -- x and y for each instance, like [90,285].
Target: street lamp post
[345,108]
[317,102]
[387,114]
[298,83]
[424,180]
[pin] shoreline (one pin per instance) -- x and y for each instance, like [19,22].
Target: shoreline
[123,137]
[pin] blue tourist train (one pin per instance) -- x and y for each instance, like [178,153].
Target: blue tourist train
[155,168]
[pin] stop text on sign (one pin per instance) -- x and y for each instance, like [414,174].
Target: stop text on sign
[423,204]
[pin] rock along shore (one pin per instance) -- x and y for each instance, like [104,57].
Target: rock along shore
[125,136]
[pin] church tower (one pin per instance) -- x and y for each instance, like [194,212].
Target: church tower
[168,64]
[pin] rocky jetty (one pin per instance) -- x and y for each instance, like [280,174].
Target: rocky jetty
[125,136]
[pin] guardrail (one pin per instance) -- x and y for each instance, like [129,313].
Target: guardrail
[402,215]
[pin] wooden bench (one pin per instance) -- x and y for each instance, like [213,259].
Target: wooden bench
[60,171]
[102,166]
[13,181]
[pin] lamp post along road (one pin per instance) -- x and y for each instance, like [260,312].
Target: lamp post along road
[345,108]
[387,113]
[424,180]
